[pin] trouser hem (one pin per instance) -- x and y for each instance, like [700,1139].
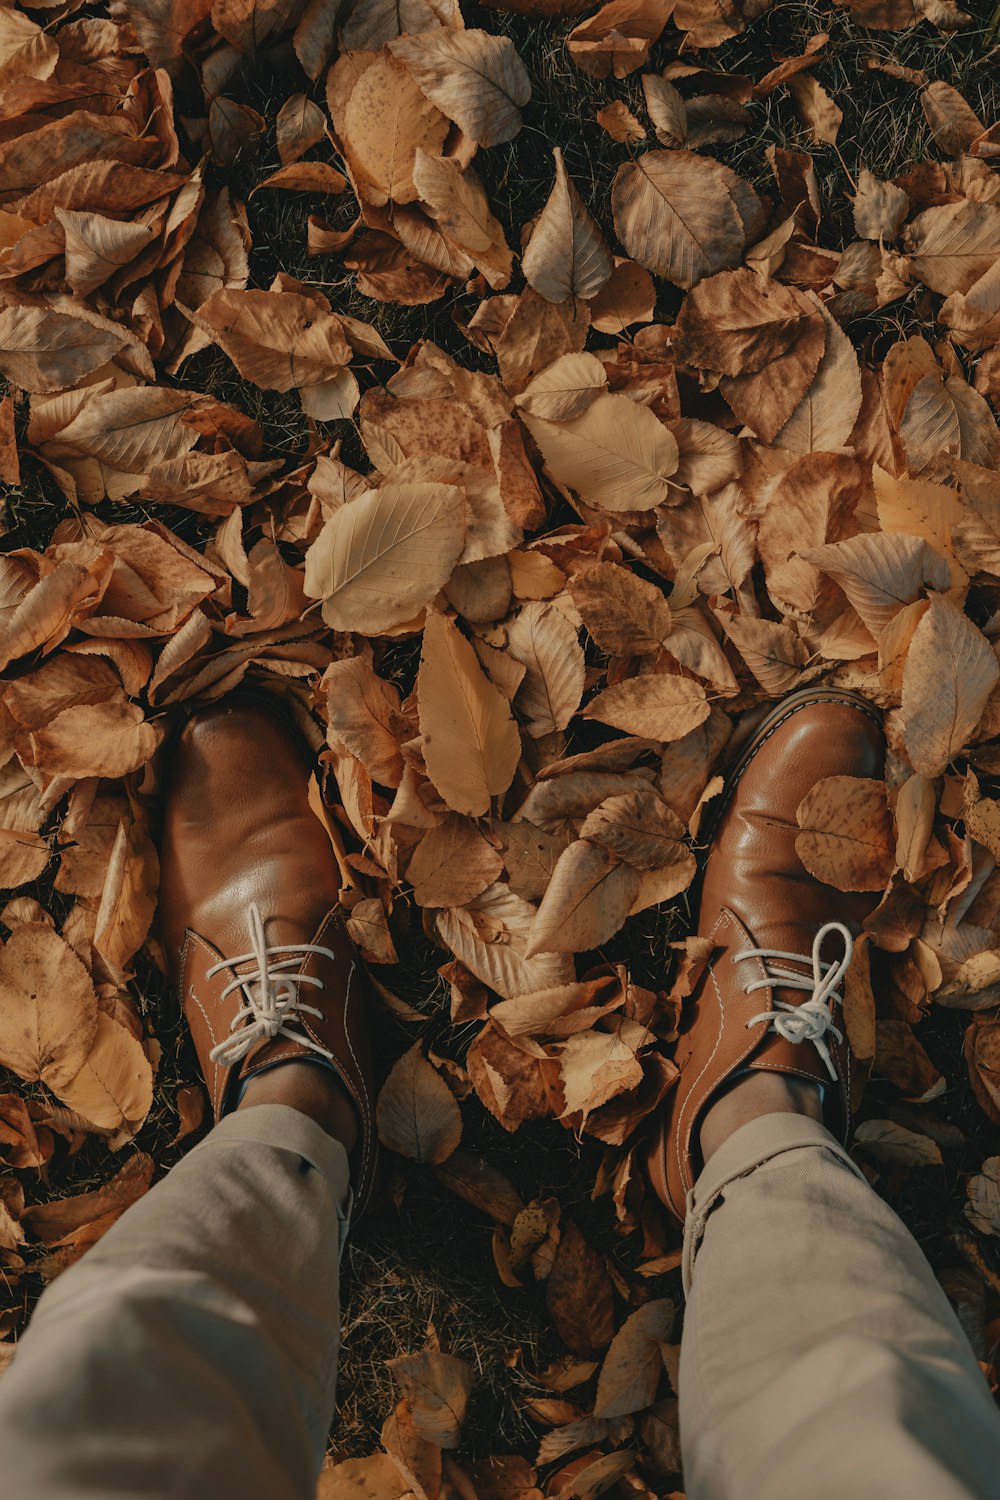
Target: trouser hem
[748,1148]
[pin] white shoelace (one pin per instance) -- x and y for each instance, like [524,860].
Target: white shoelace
[813,1020]
[276,1003]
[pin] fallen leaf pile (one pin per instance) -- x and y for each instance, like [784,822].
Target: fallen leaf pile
[608,538]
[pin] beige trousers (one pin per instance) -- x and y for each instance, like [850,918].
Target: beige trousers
[192,1354]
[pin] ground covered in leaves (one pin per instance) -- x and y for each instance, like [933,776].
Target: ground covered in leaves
[527,396]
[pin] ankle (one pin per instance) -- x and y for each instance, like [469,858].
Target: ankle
[313,1090]
[755,1095]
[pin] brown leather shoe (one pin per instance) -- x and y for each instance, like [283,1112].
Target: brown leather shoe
[766,918]
[250,914]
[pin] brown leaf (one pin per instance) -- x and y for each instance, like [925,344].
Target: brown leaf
[666,109]
[618,38]
[952,244]
[881,572]
[983,1189]
[825,417]
[437,1387]
[55,1222]
[633,1365]
[847,837]
[479,1183]
[546,643]
[820,115]
[642,830]
[982,1057]
[452,864]
[476,79]
[588,899]
[131,429]
[626,298]
[680,215]
[566,255]
[774,653]
[305,177]
[880,208]
[950,672]
[579,1296]
[298,126]
[624,614]
[736,324]
[598,1065]
[128,899]
[416,1112]
[377,1477]
[26,51]
[381,559]
[369,929]
[48,1009]
[620,123]
[490,935]
[954,125]
[100,739]
[897,1146]
[470,741]
[44,350]
[278,340]
[658,706]
[361,710]
[114,1088]
[616,455]
[565,389]
[458,201]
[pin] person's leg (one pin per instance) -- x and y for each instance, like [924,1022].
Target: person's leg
[820,1358]
[193,1351]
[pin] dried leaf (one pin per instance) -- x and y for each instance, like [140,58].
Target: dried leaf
[381,559]
[469,739]
[546,643]
[950,672]
[677,215]
[452,864]
[437,1387]
[477,79]
[847,839]
[48,1009]
[416,1112]
[114,1088]
[983,1189]
[579,1297]
[633,1365]
[881,572]
[566,255]
[897,1146]
[625,615]
[616,455]
[590,895]
[299,125]
[658,707]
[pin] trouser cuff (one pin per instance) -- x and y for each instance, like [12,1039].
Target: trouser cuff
[755,1143]
[287,1129]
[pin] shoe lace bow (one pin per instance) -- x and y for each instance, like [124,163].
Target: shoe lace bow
[812,1020]
[272,994]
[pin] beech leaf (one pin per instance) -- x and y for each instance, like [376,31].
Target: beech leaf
[846,839]
[417,1114]
[950,672]
[470,741]
[381,559]
[566,255]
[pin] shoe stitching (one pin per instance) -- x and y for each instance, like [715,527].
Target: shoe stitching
[677,1143]
[357,1090]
